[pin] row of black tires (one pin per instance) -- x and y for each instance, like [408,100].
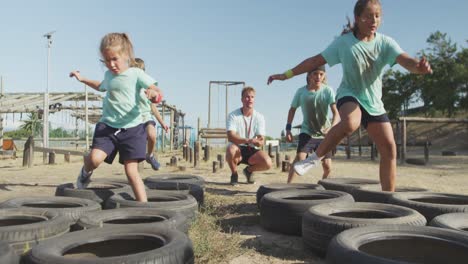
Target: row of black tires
[320,215]
[37,228]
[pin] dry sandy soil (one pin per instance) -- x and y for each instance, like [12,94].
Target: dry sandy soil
[442,174]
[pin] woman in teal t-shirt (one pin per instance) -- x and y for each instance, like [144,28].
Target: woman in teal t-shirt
[363,54]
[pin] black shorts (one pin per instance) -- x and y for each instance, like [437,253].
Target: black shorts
[246,153]
[307,144]
[366,118]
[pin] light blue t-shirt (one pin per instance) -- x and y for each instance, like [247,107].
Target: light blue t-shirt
[120,107]
[237,122]
[314,106]
[363,64]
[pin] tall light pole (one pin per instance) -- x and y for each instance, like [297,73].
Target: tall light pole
[45,116]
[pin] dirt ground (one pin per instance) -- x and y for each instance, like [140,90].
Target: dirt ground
[442,174]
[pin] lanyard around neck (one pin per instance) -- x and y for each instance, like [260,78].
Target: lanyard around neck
[247,130]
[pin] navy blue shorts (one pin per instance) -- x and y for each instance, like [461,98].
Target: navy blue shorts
[130,143]
[366,118]
[307,144]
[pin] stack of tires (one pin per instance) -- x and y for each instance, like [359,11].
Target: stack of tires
[352,221]
[72,227]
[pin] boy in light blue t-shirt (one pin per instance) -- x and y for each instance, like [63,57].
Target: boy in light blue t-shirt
[363,54]
[314,99]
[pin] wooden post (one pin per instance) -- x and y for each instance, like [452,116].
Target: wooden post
[52,157]
[278,157]
[28,152]
[270,150]
[171,135]
[206,153]
[215,166]
[221,161]
[426,152]
[348,149]
[285,166]
[286,157]
[184,152]
[174,161]
[403,141]
[196,159]
[163,135]
[67,157]
[190,154]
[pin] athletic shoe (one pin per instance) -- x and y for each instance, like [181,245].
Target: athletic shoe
[234,179]
[154,163]
[83,180]
[301,167]
[248,175]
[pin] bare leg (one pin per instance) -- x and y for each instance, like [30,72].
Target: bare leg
[233,156]
[260,161]
[350,115]
[94,159]
[292,174]
[382,135]
[151,130]
[326,165]
[131,169]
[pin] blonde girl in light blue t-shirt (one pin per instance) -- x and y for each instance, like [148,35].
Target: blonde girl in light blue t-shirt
[120,129]
[363,54]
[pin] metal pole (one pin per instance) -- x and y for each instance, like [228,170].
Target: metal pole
[226,116]
[45,129]
[209,106]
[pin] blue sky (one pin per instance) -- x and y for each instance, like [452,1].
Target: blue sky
[185,44]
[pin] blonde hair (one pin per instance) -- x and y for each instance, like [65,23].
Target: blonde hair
[358,9]
[246,90]
[120,43]
[139,63]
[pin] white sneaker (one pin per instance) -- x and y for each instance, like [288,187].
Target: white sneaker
[301,167]
[83,180]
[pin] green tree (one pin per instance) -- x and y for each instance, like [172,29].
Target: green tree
[399,90]
[440,90]
[33,125]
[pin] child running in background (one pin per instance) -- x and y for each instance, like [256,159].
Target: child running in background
[121,128]
[148,108]
[363,54]
[314,99]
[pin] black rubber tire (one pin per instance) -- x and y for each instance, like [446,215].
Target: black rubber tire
[373,193]
[457,221]
[282,211]
[130,244]
[431,204]
[182,203]
[70,207]
[274,187]
[134,217]
[398,244]
[190,188]
[183,178]
[322,222]
[7,255]
[23,227]
[345,184]
[414,161]
[98,191]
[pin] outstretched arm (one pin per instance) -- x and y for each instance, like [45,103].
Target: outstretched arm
[91,83]
[155,111]
[413,65]
[305,66]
